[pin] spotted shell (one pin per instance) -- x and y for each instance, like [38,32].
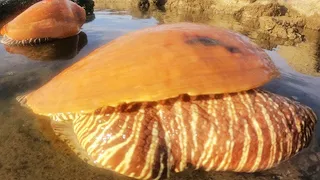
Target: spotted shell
[156,63]
[45,20]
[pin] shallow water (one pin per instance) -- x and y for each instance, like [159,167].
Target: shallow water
[29,149]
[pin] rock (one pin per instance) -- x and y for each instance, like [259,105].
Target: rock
[267,31]
[246,11]
[282,27]
[159,3]
[144,5]
[306,7]
[117,4]
[249,1]
[310,9]
[313,22]
[314,158]
[88,5]
[258,9]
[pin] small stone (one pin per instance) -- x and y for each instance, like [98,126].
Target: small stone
[288,43]
[254,35]
[292,36]
[10,73]
[277,177]
[280,32]
[290,31]
[314,157]
[298,40]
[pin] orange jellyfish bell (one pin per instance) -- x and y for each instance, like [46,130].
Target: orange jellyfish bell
[43,21]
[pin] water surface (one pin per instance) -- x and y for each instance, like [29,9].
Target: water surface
[30,150]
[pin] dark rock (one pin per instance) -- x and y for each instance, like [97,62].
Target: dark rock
[144,5]
[283,27]
[257,9]
[88,5]
[159,3]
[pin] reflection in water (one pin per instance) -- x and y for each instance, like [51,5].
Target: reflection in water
[25,153]
[60,49]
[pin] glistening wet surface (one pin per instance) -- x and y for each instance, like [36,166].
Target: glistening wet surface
[30,150]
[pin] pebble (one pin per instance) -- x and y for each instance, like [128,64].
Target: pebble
[10,73]
[314,157]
